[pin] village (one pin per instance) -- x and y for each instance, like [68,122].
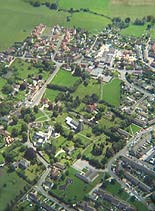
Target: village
[82,115]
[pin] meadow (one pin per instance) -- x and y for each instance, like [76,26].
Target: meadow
[10,187]
[111,92]
[75,191]
[64,78]
[18,18]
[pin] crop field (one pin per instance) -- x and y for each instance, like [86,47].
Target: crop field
[113,8]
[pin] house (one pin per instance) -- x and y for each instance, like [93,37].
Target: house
[91,108]
[89,176]
[55,172]
[24,164]
[74,125]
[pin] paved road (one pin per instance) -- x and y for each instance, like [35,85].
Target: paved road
[124,152]
[123,78]
[37,97]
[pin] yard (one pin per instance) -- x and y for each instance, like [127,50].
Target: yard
[75,191]
[11,186]
[111,92]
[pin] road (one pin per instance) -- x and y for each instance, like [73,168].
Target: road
[124,152]
[38,96]
[123,78]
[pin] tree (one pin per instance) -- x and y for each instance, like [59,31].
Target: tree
[127,20]
[36,109]
[24,127]
[24,136]
[7,89]
[30,154]
[14,132]
[53,6]
[14,120]
[58,128]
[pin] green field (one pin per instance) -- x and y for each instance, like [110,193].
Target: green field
[92,88]
[132,129]
[89,21]
[51,94]
[75,191]
[111,92]
[18,18]
[134,30]
[112,8]
[64,78]
[10,186]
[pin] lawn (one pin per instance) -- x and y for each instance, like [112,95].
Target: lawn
[64,78]
[92,88]
[132,129]
[75,191]
[51,94]
[10,186]
[134,30]
[111,92]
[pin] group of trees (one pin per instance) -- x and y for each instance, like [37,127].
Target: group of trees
[38,3]
[65,88]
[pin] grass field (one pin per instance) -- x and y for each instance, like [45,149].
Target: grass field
[93,87]
[88,21]
[18,18]
[134,30]
[10,186]
[75,191]
[111,92]
[113,8]
[64,78]
[132,129]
